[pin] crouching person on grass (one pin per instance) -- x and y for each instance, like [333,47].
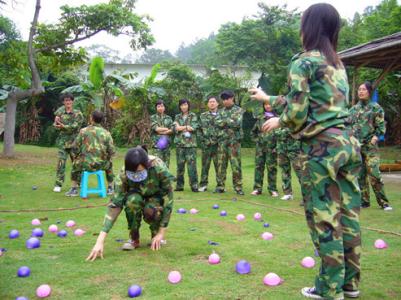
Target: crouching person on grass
[144,190]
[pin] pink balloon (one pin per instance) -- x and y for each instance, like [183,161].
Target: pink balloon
[257,216]
[214,259]
[79,232]
[35,222]
[53,228]
[267,236]
[272,279]
[70,223]
[43,291]
[308,262]
[240,217]
[380,244]
[174,277]
[193,211]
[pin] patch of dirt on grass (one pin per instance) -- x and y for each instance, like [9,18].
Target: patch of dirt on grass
[26,158]
[100,279]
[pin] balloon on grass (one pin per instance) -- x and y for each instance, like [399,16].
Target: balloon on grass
[214,259]
[174,277]
[23,271]
[43,291]
[79,232]
[216,206]
[37,232]
[193,211]
[32,243]
[223,213]
[308,262]
[70,223]
[53,228]
[13,234]
[243,267]
[62,233]
[266,225]
[134,291]
[182,210]
[380,244]
[257,216]
[267,236]
[240,217]
[272,279]
[21,298]
[35,222]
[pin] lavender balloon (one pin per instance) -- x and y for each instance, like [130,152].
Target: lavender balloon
[21,298]
[23,271]
[134,291]
[32,243]
[62,233]
[182,211]
[266,225]
[216,206]
[13,234]
[35,222]
[223,213]
[243,267]
[37,232]
[162,142]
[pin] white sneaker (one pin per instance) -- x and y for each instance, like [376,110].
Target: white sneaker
[351,294]
[310,292]
[256,193]
[387,208]
[57,189]
[287,197]
[202,189]
[274,194]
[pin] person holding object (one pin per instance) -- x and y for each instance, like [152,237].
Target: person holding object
[161,125]
[316,113]
[144,190]
[67,122]
[368,124]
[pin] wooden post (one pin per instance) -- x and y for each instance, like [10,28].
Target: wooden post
[354,78]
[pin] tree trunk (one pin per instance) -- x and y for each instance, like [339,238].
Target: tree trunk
[9,127]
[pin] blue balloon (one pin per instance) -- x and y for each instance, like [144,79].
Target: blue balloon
[162,142]
[21,298]
[134,291]
[62,233]
[32,243]
[216,206]
[37,232]
[223,213]
[266,225]
[23,271]
[243,267]
[182,211]
[13,234]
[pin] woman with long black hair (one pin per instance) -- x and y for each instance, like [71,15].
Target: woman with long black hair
[316,113]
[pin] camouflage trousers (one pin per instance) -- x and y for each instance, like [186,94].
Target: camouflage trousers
[78,166]
[331,162]
[186,156]
[370,171]
[138,207]
[209,153]
[288,155]
[164,155]
[63,154]
[265,155]
[229,151]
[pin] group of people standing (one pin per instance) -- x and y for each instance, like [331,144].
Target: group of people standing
[217,131]
[327,143]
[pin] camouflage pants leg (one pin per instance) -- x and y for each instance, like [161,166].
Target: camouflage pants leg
[152,213]
[164,155]
[186,156]
[285,166]
[235,161]
[222,157]
[371,162]
[209,153]
[260,161]
[332,205]
[271,164]
[180,157]
[62,159]
[133,211]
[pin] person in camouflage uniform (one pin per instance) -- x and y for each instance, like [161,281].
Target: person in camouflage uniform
[368,125]
[185,126]
[209,139]
[143,189]
[161,128]
[94,149]
[265,153]
[288,150]
[229,122]
[67,122]
[316,112]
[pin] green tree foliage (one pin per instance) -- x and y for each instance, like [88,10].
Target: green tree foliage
[201,52]
[155,56]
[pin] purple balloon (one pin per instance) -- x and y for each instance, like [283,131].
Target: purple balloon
[216,206]
[162,142]
[243,267]
[134,291]
[62,233]
[23,271]
[13,234]
[182,211]
[266,225]
[37,232]
[223,213]
[21,298]
[32,243]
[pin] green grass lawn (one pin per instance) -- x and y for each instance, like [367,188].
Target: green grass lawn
[61,262]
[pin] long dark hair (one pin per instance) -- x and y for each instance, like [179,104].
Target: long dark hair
[369,87]
[135,157]
[320,26]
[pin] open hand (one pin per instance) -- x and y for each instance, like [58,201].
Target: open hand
[97,251]
[258,94]
[271,124]
[156,242]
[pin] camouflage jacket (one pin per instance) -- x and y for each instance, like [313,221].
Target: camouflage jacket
[72,123]
[208,130]
[158,120]
[180,140]
[229,122]
[94,145]
[260,137]
[318,97]
[157,184]
[367,121]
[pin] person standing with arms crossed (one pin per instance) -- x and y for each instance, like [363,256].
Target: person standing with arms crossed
[316,113]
